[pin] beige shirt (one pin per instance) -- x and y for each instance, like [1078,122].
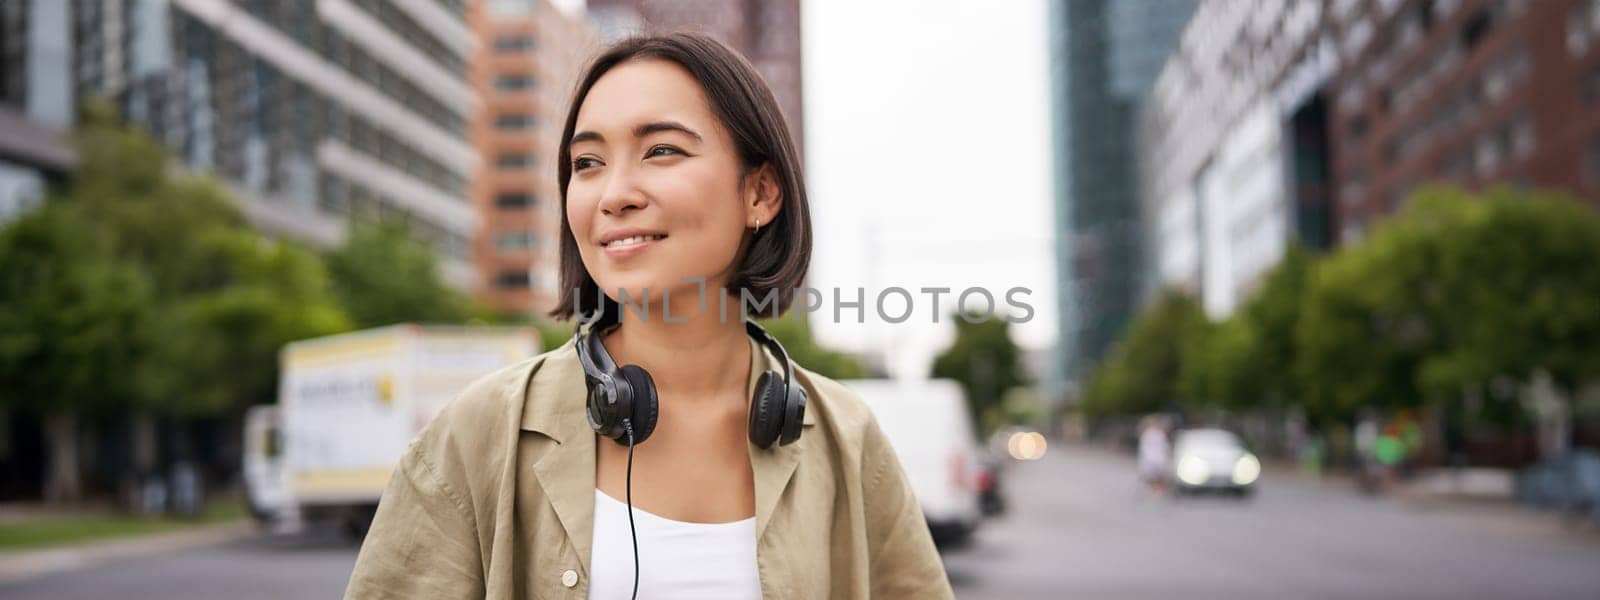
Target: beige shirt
[495,499]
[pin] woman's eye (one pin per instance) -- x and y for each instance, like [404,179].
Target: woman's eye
[662,151]
[583,162]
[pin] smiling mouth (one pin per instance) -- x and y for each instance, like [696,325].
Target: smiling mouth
[633,241]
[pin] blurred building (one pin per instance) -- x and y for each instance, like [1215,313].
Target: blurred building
[1310,121]
[1233,148]
[765,31]
[1477,92]
[523,68]
[1104,55]
[314,112]
[36,100]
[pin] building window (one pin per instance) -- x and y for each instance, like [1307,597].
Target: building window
[1583,22]
[1356,38]
[1502,75]
[1354,231]
[1522,137]
[511,44]
[513,83]
[1589,86]
[515,122]
[1459,166]
[512,280]
[517,200]
[1476,29]
[512,241]
[513,161]
[1591,162]
[1490,151]
[1357,128]
[1353,192]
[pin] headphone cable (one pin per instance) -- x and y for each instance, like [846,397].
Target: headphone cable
[627,426]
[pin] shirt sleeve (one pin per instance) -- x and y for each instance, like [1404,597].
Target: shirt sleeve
[903,560]
[422,543]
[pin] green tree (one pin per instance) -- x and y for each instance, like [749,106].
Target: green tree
[1456,292]
[1516,286]
[1366,327]
[209,350]
[1142,372]
[795,335]
[1220,366]
[383,275]
[985,361]
[553,333]
[270,293]
[74,332]
[1247,362]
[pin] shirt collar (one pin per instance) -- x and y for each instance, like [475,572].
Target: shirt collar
[553,405]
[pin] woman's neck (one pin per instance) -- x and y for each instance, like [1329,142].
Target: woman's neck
[695,355]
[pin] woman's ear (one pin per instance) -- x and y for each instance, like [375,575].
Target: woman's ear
[763,197]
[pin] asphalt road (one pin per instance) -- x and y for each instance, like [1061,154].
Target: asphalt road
[1079,527]
[1082,527]
[267,567]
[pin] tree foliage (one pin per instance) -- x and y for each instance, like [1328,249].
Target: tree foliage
[74,332]
[795,335]
[985,361]
[1142,372]
[1457,292]
[1454,293]
[383,276]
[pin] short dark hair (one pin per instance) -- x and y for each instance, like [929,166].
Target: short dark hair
[780,253]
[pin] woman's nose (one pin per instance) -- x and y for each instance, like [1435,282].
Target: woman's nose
[621,193]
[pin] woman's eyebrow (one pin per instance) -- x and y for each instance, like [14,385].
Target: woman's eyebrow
[642,130]
[659,126]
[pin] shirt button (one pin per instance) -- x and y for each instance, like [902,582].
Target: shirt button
[569,578]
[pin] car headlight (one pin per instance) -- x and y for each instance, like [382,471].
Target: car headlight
[1246,470]
[1193,470]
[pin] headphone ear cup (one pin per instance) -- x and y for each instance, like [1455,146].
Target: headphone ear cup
[765,413]
[794,413]
[645,407]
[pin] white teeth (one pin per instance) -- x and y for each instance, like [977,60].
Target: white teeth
[629,241]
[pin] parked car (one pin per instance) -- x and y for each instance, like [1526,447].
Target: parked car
[1213,460]
[928,425]
[1569,484]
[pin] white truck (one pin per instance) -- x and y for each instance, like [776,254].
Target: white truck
[927,423]
[347,406]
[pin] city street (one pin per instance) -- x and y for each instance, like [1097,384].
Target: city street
[1079,527]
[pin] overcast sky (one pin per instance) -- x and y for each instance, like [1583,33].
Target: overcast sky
[927,156]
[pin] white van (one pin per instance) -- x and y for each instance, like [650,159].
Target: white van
[347,406]
[928,424]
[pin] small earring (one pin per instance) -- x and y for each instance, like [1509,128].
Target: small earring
[757,221]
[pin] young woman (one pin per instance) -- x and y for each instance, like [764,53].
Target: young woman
[746,476]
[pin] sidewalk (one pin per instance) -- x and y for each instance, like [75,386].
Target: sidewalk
[1482,495]
[1470,485]
[29,563]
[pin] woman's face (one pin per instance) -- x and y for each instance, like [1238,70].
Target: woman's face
[655,195]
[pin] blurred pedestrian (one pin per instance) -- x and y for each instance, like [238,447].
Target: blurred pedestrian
[1369,472]
[1155,454]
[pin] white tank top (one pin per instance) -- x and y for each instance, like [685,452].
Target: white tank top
[677,559]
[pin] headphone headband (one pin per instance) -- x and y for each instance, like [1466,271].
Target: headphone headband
[765,339]
[617,396]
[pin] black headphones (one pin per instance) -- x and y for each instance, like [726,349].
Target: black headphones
[624,398]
